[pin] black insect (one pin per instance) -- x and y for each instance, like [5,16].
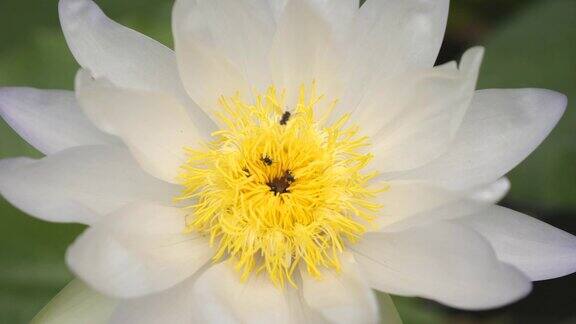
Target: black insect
[285,118]
[267,160]
[247,172]
[289,176]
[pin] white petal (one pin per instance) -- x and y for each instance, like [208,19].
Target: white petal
[79,184]
[400,34]
[379,109]
[300,311]
[76,303]
[332,8]
[240,32]
[500,130]
[389,38]
[228,300]
[491,193]
[205,70]
[125,57]
[407,204]
[444,262]
[432,110]
[340,14]
[108,49]
[50,120]
[539,250]
[154,126]
[174,306]
[277,7]
[218,297]
[300,47]
[140,249]
[341,297]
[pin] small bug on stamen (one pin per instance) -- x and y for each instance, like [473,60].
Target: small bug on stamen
[289,176]
[267,160]
[285,118]
[247,172]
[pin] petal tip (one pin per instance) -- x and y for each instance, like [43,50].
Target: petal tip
[71,7]
[75,13]
[553,102]
[472,58]
[9,96]
[558,100]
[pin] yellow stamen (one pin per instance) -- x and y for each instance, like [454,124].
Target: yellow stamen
[278,188]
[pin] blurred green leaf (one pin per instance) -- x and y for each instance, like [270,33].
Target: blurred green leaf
[537,48]
[32,263]
[415,311]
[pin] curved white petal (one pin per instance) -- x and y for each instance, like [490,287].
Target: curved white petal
[432,107]
[76,303]
[220,35]
[177,305]
[108,49]
[138,250]
[277,7]
[50,120]
[300,311]
[444,262]
[340,14]
[203,37]
[337,299]
[399,35]
[500,130]
[79,184]
[301,48]
[389,38]
[228,300]
[406,204]
[343,297]
[333,9]
[154,126]
[217,296]
[174,306]
[125,57]
[539,250]
[490,193]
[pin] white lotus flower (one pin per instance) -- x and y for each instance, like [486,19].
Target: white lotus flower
[285,160]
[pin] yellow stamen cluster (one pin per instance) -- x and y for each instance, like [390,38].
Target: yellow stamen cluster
[279,188]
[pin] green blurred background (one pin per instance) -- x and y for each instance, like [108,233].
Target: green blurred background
[530,43]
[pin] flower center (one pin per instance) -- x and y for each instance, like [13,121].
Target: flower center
[280,185]
[278,188]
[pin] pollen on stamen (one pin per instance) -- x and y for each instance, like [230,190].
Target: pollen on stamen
[277,190]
